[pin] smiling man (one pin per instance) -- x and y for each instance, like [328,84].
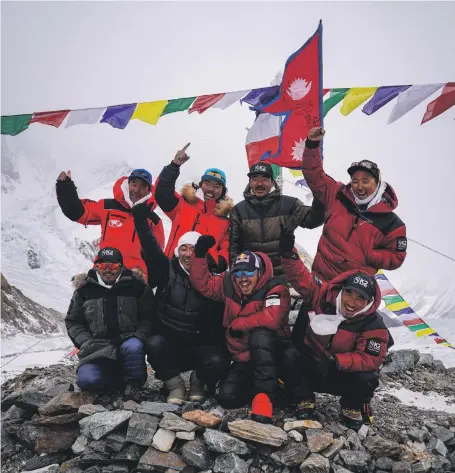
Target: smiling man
[340,341]
[256,221]
[114,215]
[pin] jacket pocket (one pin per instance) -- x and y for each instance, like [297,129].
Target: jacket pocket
[94,314]
[127,314]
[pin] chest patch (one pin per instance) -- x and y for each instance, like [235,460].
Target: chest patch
[373,347]
[272,299]
[115,223]
[402,244]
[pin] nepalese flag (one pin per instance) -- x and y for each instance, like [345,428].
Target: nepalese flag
[278,135]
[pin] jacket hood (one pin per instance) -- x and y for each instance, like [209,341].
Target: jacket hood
[266,275]
[389,201]
[221,208]
[335,286]
[119,194]
[82,279]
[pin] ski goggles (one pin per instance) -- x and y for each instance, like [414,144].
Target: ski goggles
[108,266]
[248,274]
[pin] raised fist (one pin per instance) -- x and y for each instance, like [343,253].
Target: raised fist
[316,134]
[181,157]
[203,245]
[64,176]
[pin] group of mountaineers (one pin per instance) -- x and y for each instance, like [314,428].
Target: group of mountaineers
[215,298]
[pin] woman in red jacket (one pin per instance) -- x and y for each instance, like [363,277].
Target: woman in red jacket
[255,319]
[339,340]
[360,231]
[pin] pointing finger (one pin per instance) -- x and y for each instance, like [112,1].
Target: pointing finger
[185,147]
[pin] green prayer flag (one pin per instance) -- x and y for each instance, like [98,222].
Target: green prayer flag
[416,328]
[276,170]
[392,299]
[336,96]
[178,105]
[14,124]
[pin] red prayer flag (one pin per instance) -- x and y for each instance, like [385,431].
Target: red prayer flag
[50,118]
[440,104]
[204,102]
[299,103]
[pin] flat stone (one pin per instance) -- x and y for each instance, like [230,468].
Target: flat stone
[70,465]
[103,423]
[94,469]
[378,447]
[66,402]
[196,453]
[224,443]
[164,439]
[340,469]
[141,429]
[59,388]
[436,446]
[45,460]
[93,458]
[297,436]
[262,433]
[185,435]
[401,467]
[363,432]
[443,434]
[131,453]
[130,406]
[79,445]
[116,441]
[355,461]
[294,454]
[156,408]
[59,419]
[31,401]
[354,441]
[318,440]
[153,460]
[451,458]
[16,414]
[384,463]
[332,450]
[119,469]
[47,469]
[173,422]
[99,446]
[422,466]
[440,464]
[204,419]
[302,425]
[315,463]
[337,429]
[90,409]
[230,463]
[418,434]
[48,438]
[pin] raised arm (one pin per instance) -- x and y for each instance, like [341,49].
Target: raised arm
[309,217]
[392,250]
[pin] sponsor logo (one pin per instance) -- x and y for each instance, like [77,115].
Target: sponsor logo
[114,223]
[260,168]
[107,253]
[361,281]
[373,347]
[272,299]
[402,244]
[242,258]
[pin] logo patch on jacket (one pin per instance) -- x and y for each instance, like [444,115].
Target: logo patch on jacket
[317,281]
[115,223]
[373,347]
[402,244]
[272,299]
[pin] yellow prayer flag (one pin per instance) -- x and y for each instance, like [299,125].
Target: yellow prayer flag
[425,331]
[355,97]
[296,172]
[397,306]
[149,112]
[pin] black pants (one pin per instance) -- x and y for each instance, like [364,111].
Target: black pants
[170,357]
[302,378]
[259,375]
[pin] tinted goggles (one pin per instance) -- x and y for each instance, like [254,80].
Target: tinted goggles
[248,274]
[108,266]
[365,164]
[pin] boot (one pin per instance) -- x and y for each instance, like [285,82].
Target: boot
[367,413]
[197,389]
[176,389]
[132,393]
[262,409]
[352,417]
[306,409]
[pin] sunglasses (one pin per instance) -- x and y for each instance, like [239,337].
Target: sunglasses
[248,274]
[106,266]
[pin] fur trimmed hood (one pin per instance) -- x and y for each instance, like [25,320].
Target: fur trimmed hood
[222,208]
[80,280]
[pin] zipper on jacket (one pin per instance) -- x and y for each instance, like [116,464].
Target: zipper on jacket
[134,234]
[195,222]
[105,226]
[353,228]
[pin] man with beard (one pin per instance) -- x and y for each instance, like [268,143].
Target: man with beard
[256,221]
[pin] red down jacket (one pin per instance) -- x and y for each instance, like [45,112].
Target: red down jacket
[114,216]
[367,241]
[259,310]
[360,343]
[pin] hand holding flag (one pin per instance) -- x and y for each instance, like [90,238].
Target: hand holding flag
[316,134]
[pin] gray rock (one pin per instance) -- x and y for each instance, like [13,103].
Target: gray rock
[436,446]
[337,429]
[355,461]
[93,458]
[297,436]
[47,469]
[294,454]
[339,469]
[59,388]
[153,460]
[438,366]
[302,425]
[378,447]
[95,469]
[230,463]
[425,359]
[451,458]
[61,419]
[185,435]
[79,445]
[141,429]
[130,406]
[66,403]
[116,441]
[131,453]
[175,423]
[31,401]
[119,469]
[318,440]
[402,467]
[363,432]
[163,440]
[196,453]
[418,434]
[99,446]
[443,434]
[103,423]
[315,463]
[224,443]
[156,408]
[262,433]
[15,414]
[45,460]
[354,441]
[90,409]
[440,464]
[422,466]
[332,450]
[384,463]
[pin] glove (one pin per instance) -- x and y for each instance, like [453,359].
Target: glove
[140,211]
[214,267]
[203,244]
[287,241]
[328,365]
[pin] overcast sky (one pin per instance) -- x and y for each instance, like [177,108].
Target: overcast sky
[58,55]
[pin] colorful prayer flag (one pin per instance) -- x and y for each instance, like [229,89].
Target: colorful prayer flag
[50,118]
[118,116]
[335,97]
[441,103]
[355,97]
[382,97]
[230,98]
[253,98]
[178,105]
[262,137]
[84,116]
[149,112]
[14,124]
[204,102]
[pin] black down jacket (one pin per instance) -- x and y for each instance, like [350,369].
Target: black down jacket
[256,223]
[100,319]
